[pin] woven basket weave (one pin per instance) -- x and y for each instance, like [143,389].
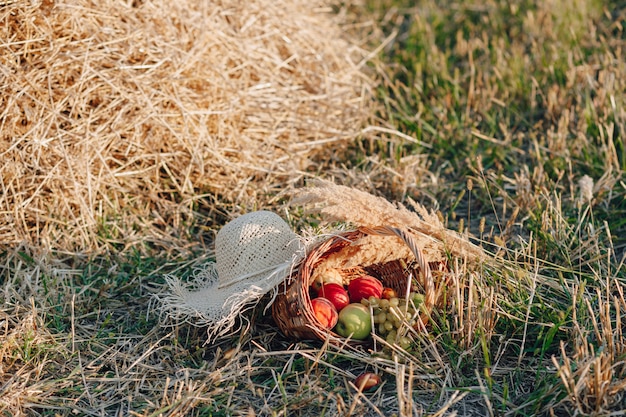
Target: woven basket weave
[292,308]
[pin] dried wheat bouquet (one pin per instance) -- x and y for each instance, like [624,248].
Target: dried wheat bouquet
[337,203]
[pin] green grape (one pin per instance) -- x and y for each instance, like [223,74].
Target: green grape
[417,300]
[404,342]
[380,317]
[389,325]
[394,316]
[396,313]
[382,329]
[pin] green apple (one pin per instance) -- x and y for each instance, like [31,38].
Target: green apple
[354,321]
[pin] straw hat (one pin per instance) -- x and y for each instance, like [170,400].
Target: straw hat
[253,254]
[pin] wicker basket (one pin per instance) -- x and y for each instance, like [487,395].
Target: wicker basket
[292,308]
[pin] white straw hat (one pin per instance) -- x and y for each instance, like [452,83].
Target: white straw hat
[253,254]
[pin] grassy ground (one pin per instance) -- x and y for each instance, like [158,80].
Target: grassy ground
[517,114]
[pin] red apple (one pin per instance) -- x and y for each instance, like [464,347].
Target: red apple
[325,312]
[336,294]
[364,286]
[355,321]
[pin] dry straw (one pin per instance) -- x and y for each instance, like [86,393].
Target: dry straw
[120,120]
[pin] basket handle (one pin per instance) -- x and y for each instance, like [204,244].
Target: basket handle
[428,283]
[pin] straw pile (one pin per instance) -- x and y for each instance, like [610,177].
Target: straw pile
[122,120]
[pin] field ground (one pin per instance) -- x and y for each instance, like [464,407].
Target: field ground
[514,117]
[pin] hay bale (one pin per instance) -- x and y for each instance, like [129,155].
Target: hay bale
[121,120]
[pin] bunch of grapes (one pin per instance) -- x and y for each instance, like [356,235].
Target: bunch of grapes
[393,316]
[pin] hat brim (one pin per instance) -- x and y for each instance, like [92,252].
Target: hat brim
[203,302]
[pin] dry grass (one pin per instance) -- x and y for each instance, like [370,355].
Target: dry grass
[130,130]
[594,377]
[123,121]
[101,362]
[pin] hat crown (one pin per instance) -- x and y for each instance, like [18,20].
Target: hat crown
[251,244]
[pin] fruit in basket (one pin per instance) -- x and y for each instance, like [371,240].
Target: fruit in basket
[354,321]
[388,293]
[365,286]
[326,276]
[393,318]
[325,312]
[336,294]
